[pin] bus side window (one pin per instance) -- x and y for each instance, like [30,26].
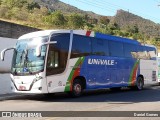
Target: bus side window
[130,50]
[152,53]
[100,47]
[53,59]
[81,46]
[116,49]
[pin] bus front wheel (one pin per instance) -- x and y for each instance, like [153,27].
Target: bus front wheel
[77,88]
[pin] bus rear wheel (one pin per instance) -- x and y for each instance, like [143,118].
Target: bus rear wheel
[139,83]
[77,88]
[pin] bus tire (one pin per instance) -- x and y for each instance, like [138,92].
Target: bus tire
[139,83]
[76,88]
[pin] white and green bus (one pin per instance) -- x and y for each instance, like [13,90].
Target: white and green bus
[71,61]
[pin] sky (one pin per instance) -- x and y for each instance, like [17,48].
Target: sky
[148,9]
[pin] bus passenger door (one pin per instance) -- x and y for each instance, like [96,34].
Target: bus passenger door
[55,69]
[52,66]
[56,64]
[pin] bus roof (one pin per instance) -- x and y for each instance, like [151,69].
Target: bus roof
[80,32]
[106,36]
[41,33]
[116,38]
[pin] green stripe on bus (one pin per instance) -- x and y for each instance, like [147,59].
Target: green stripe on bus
[68,84]
[132,72]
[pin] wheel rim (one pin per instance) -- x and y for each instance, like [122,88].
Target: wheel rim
[77,88]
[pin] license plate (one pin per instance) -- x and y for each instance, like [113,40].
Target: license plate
[22,88]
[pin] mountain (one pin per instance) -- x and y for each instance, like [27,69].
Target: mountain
[56,5]
[148,27]
[44,14]
[124,19]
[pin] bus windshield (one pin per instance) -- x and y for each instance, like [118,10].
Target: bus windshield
[25,60]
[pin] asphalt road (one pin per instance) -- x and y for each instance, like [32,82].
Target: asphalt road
[101,100]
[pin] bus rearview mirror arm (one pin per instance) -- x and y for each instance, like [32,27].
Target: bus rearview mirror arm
[3,52]
[38,48]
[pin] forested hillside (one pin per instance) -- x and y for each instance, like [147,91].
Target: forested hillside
[53,14]
[125,19]
[55,5]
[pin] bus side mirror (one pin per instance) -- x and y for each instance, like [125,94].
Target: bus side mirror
[38,48]
[3,53]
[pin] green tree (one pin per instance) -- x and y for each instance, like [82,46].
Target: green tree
[88,26]
[3,10]
[14,3]
[113,26]
[133,29]
[155,42]
[75,21]
[126,34]
[104,20]
[44,11]
[86,17]
[20,14]
[56,19]
[120,33]
[33,5]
